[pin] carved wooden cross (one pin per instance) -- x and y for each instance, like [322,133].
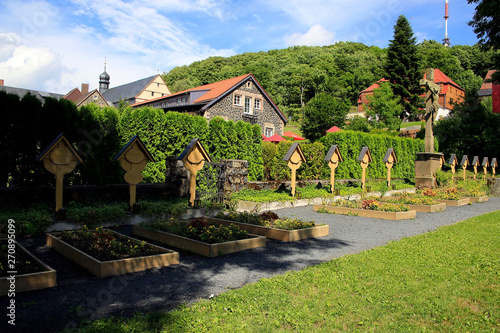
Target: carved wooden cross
[194,158]
[333,157]
[431,107]
[295,157]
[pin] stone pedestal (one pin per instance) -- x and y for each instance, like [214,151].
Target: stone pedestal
[425,169]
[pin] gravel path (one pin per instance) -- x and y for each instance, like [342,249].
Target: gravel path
[80,296]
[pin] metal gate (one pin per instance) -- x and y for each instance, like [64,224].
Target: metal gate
[210,183]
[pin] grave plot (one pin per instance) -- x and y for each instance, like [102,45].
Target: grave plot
[198,236]
[31,273]
[368,208]
[268,224]
[104,252]
[419,203]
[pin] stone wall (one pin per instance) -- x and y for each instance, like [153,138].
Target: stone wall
[236,175]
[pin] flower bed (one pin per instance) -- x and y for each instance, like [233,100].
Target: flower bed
[270,225]
[200,237]
[31,273]
[419,203]
[104,252]
[368,208]
[450,196]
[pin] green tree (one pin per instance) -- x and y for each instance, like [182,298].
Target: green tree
[486,24]
[404,70]
[322,112]
[358,124]
[384,108]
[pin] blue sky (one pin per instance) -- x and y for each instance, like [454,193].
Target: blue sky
[55,45]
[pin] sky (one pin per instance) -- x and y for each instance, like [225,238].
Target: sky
[56,45]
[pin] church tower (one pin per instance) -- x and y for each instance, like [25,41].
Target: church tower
[104,80]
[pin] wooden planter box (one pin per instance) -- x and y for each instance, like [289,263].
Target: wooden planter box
[428,208]
[113,267]
[204,249]
[31,281]
[483,198]
[368,213]
[274,233]
[455,203]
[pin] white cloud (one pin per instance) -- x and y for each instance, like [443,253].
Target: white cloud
[315,36]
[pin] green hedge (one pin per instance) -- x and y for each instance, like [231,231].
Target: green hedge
[350,144]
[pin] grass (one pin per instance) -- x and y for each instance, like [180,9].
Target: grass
[412,123]
[443,281]
[312,191]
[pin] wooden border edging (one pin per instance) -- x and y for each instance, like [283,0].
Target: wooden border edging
[113,267]
[455,203]
[368,213]
[428,208]
[31,281]
[274,233]
[204,249]
[483,198]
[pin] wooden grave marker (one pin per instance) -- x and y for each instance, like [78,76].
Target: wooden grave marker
[494,165]
[295,157]
[453,162]
[133,158]
[333,157]
[485,166]
[60,158]
[464,163]
[194,158]
[475,164]
[389,160]
[364,158]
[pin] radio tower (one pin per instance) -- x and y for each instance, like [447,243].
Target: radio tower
[446,40]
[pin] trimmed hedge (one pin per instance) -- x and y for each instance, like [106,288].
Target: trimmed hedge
[350,144]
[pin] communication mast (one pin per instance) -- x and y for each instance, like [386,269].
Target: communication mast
[446,40]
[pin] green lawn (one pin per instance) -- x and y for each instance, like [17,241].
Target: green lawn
[443,281]
[412,123]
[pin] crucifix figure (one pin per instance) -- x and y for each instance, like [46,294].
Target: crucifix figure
[431,107]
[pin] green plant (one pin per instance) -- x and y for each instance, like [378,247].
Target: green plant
[267,219]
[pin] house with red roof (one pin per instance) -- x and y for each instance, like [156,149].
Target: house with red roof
[450,93]
[238,98]
[487,86]
[84,96]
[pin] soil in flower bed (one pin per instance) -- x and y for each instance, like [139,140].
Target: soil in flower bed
[199,230]
[267,219]
[104,245]
[24,263]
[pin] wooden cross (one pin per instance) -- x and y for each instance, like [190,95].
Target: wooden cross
[333,157]
[194,158]
[431,107]
[295,157]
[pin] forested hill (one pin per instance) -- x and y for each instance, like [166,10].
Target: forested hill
[294,75]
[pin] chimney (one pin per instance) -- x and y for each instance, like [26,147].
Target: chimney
[85,88]
[1,82]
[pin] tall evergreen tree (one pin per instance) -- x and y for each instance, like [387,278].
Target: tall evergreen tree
[403,69]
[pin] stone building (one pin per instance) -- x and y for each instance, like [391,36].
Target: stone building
[239,98]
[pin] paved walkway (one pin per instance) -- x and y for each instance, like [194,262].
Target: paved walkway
[80,296]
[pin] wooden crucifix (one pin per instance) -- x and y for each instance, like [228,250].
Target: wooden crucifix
[295,157]
[60,158]
[431,107]
[333,157]
[194,158]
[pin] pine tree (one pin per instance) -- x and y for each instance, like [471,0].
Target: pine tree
[403,69]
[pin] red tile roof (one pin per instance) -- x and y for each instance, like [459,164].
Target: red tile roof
[374,86]
[489,75]
[440,77]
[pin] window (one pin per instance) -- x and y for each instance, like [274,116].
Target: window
[183,100]
[248,103]
[249,84]
[178,101]
[269,132]
[257,104]
[157,85]
[152,93]
[237,99]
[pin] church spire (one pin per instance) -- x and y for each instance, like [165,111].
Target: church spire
[104,80]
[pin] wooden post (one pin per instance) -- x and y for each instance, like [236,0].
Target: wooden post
[295,157]
[133,159]
[475,164]
[493,165]
[365,158]
[389,159]
[333,157]
[485,166]
[59,158]
[453,163]
[194,158]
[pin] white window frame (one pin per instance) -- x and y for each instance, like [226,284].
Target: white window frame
[269,129]
[259,102]
[237,100]
[247,108]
